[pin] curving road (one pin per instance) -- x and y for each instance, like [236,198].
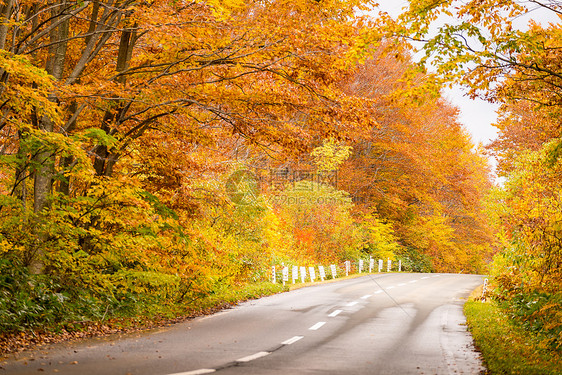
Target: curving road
[376,324]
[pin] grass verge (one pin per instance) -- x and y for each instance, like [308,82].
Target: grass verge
[505,347]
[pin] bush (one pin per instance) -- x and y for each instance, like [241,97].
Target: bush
[28,301]
[414,261]
[539,313]
[506,347]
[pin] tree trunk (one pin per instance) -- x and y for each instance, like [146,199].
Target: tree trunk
[66,161]
[43,181]
[5,13]
[105,158]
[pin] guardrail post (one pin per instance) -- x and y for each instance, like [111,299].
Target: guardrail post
[322,272]
[334,272]
[312,274]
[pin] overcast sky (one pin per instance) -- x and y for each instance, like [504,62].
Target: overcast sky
[476,115]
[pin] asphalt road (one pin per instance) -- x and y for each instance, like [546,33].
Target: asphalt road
[376,324]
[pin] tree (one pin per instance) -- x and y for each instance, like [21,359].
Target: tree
[133,72]
[522,128]
[479,44]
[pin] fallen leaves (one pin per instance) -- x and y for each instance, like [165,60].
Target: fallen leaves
[20,341]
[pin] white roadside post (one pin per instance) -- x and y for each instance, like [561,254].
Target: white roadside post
[303,274]
[484,289]
[347,267]
[295,273]
[371,264]
[285,275]
[322,272]
[388,265]
[312,273]
[333,269]
[360,265]
[380,265]
[399,266]
[273,276]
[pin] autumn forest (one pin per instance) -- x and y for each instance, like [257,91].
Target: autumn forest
[155,154]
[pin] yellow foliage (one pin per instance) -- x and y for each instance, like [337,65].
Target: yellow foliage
[534,213]
[331,154]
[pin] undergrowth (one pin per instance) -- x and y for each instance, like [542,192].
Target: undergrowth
[35,309]
[506,346]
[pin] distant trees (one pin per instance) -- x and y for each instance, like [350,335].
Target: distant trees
[417,169]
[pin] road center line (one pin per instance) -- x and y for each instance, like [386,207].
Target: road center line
[390,287]
[196,372]
[425,277]
[352,303]
[335,313]
[401,284]
[292,340]
[253,356]
[378,291]
[366,296]
[413,281]
[316,326]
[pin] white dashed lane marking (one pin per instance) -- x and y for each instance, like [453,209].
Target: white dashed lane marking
[197,372]
[292,340]
[335,313]
[253,356]
[316,326]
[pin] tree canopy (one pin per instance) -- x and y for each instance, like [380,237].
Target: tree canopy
[157,153]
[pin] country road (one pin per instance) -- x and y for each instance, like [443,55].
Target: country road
[406,323]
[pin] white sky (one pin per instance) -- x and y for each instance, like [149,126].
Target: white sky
[476,115]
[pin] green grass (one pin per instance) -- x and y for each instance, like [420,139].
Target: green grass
[507,348]
[232,295]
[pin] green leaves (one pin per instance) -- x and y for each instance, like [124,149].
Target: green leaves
[99,137]
[158,206]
